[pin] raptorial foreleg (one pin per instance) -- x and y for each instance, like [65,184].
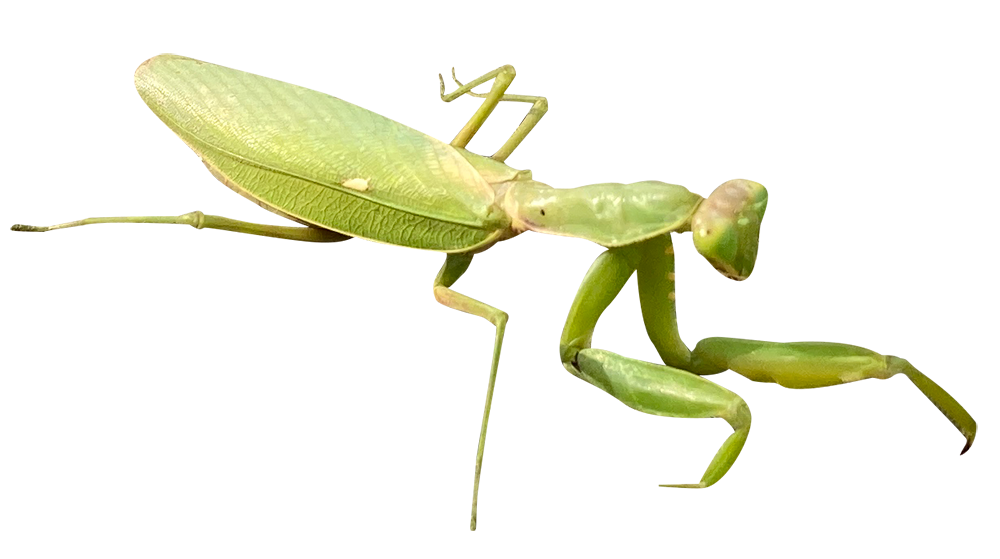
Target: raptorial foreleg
[818,364]
[647,387]
[666,391]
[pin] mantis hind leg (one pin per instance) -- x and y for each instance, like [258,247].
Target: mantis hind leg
[537,111]
[501,80]
[201,220]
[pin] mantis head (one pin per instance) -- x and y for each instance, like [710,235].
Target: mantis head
[727,224]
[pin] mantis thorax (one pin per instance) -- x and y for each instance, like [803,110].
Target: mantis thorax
[609,214]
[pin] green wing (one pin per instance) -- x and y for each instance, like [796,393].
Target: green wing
[322,161]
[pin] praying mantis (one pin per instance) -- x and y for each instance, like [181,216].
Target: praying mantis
[341,171]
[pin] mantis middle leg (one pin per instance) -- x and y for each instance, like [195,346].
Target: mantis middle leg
[647,387]
[454,266]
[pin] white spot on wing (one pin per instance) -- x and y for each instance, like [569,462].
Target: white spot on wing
[356,184]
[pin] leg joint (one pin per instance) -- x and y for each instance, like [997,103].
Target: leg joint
[195,219]
[568,352]
[499,318]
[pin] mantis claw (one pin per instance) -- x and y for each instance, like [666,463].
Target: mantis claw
[943,401]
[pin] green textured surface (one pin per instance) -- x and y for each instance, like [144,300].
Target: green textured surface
[291,149]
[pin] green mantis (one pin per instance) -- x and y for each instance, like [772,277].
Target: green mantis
[341,171]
